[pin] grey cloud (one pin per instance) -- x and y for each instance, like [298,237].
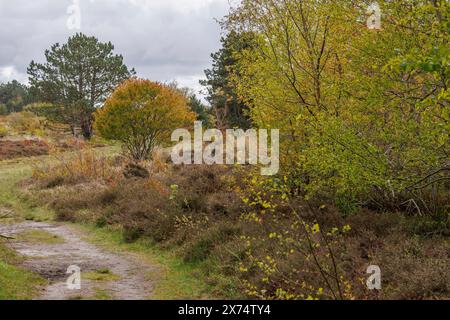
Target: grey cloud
[163,40]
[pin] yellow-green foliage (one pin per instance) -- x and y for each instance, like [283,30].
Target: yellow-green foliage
[3,131]
[26,123]
[299,260]
[143,114]
[364,117]
[365,113]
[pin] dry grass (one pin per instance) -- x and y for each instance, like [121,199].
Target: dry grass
[84,166]
[22,148]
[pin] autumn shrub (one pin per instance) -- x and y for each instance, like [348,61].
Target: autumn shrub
[205,189]
[289,254]
[64,143]
[143,209]
[193,193]
[76,203]
[142,114]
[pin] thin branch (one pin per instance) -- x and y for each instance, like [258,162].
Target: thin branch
[6,237]
[414,186]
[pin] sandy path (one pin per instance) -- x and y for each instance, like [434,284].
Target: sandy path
[51,261]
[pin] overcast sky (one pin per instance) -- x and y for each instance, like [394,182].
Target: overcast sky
[163,40]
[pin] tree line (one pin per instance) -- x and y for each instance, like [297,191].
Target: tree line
[74,81]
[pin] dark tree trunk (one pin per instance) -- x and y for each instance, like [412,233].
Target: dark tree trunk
[73,130]
[86,128]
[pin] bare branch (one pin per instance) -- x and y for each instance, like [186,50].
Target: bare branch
[6,237]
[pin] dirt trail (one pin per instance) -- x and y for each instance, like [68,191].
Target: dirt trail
[51,261]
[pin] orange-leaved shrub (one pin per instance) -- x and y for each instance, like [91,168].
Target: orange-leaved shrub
[142,114]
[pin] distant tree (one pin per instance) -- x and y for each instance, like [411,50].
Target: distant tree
[142,114]
[3,109]
[222,95]
[13,96]
[77,77]
[51,112]
[204,113]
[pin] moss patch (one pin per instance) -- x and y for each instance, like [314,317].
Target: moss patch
[39,236]
[100,275]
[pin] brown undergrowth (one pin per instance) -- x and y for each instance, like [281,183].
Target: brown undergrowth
[247,240]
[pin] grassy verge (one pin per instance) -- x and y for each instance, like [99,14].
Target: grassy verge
[173,278]
[15,282]
[11,173]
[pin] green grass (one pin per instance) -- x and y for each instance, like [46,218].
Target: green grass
[39,236]
[15,282]
[173,278]
[100,294]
